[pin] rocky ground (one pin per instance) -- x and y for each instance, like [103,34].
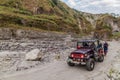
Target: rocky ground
[14,66]
[114,72]
[13,52]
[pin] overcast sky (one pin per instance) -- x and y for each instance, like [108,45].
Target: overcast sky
[95,6]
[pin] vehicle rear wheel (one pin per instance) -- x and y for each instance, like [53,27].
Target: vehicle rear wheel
[101,58]
[90,64]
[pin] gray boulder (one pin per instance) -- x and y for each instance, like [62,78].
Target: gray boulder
[34,55]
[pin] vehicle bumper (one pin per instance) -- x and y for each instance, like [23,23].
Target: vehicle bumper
[78,61]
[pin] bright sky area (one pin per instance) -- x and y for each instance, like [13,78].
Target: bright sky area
[95,6]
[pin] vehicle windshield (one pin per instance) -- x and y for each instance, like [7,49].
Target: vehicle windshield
[86,44]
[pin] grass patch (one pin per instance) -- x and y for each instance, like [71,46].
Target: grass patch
[116,35]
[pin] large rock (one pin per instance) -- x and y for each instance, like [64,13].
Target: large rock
[33,55]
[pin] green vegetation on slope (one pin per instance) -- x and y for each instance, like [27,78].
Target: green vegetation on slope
[52,15]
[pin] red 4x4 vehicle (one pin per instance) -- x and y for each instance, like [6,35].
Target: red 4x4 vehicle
[88,51]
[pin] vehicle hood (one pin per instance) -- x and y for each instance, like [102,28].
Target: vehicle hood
[82,51]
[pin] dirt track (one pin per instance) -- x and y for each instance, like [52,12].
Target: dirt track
[59,70]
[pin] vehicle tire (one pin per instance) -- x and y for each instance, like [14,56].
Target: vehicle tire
[90,64]
[71,64]
[101,58]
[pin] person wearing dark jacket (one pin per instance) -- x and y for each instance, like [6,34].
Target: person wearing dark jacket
[99,47]
[105,46]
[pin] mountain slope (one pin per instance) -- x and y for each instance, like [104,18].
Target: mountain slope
[52,15]
[105,25]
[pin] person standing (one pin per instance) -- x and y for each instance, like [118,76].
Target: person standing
[105,46]
[99,47]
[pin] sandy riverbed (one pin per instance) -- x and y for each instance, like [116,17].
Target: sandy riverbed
[59,70]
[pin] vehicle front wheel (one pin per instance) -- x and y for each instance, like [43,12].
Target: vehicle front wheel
[101,58]
[70,63]
[90,64]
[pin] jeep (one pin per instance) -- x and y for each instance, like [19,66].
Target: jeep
[88,51]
